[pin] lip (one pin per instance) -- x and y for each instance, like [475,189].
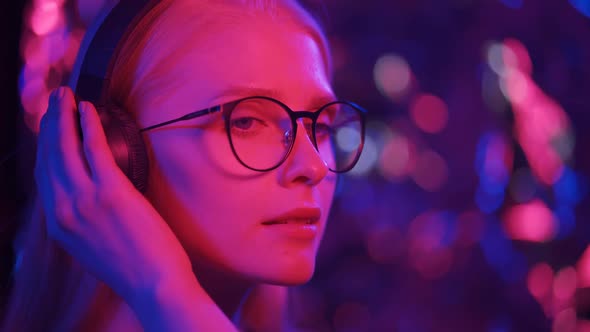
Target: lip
[298,216]
[301,224]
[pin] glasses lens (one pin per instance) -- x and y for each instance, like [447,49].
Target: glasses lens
[339,136]
[257,129]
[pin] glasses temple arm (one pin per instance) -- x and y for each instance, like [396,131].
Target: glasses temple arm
[184,117]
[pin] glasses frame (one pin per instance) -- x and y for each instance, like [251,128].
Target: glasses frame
[228,107]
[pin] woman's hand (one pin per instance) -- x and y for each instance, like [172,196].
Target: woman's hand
[94,212]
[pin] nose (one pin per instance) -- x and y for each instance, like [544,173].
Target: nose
[304,164]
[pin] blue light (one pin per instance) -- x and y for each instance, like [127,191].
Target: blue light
[496,247]
[567,221]
[514,4]
[491,185]
[568,189]
[500,325]
[583,6]
[488,202]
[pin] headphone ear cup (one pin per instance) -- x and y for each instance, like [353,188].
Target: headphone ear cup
[126,144]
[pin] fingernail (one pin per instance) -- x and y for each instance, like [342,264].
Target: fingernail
[82,108]
[61,92]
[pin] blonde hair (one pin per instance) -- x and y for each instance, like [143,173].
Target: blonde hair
[146,63]
[51,292]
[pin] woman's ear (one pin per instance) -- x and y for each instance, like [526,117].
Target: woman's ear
[264,310]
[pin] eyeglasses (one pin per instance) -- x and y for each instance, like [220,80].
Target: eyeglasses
[262,130]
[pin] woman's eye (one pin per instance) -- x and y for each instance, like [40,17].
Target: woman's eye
[322,130]
[248,126]
[243,123]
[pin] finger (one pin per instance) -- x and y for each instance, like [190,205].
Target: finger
[98,154]
[63,145]
[42,155]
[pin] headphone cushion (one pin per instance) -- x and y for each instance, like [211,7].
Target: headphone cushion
[126,144]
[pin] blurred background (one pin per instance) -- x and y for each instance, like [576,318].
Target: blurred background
[469,208]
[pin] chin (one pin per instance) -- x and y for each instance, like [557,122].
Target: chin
[290,272]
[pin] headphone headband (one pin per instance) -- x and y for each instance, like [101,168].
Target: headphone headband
[91,76]
[101,45]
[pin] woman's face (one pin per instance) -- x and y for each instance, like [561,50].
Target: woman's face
[219,209]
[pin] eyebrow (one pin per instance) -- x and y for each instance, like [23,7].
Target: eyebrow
[312,102]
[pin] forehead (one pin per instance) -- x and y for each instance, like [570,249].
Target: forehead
[259,54]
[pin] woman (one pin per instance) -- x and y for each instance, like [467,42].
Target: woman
[237,199]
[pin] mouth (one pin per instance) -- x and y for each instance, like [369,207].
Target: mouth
[299,216]
[291,221]
[299,224]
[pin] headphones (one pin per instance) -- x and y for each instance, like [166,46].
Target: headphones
[91,77]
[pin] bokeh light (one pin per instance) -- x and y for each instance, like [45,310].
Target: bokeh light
[392,76]
[431,172]
[46,17]
[429,113]
[565,321]
[348,139]
[564,284]
[430,235]
[368,158]
[540,281]
[513,4]
[397,159]
[532,221]
[583,6]
[583,268]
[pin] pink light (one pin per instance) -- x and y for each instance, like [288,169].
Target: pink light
[431,171]
[45,18]
[539,120]
[56,44]
[531,221]
[516,56]
[540,280]
[583,326]
[73,44]
[429,113]
[426,231]
[565,321]
[393,76]
[34,97]
[583,267]
[564,284]
[427,253]
[432,264]
[42,3]
[397,158]
[35,52]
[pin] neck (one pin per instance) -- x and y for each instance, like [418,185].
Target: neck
[228,291]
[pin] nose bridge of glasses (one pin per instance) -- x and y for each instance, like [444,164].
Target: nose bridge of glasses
[306,119]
